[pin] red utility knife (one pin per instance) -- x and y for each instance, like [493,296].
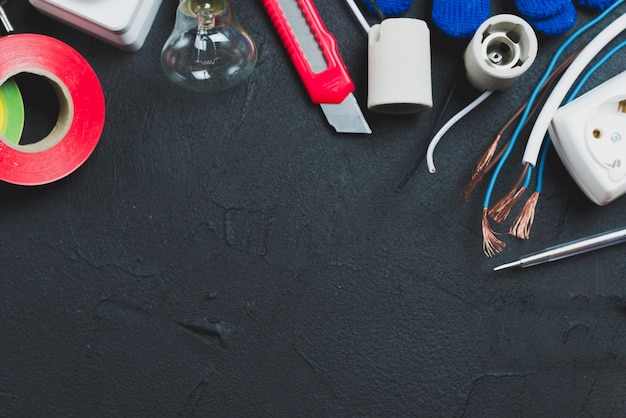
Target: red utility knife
[314,53]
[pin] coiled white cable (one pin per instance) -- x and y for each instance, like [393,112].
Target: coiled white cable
[593,48]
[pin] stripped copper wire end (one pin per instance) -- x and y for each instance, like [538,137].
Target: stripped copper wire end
[500,211]
[485,159]
[481,168]
[467,191]
[491,244]
[524,222]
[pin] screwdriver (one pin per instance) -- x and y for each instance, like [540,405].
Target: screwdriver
[4,18]
[569,249]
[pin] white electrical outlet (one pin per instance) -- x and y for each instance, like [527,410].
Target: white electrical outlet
[589,134]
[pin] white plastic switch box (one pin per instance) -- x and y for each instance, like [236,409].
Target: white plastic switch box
[123,23]
[589,134]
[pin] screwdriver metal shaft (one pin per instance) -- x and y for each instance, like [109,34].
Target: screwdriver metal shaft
[569,249]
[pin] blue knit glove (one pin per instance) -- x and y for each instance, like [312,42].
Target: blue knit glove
[390,7]
[461,18]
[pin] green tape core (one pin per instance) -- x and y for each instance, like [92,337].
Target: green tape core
[11,112]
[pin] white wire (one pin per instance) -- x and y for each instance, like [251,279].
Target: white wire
[449,124]
[359,16]
[593,48]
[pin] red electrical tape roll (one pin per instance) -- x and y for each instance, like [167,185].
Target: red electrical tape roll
[81,110]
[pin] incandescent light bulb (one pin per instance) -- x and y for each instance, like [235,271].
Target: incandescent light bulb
[207,51]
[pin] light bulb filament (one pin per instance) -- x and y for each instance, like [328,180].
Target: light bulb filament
[210,61]
[205,54]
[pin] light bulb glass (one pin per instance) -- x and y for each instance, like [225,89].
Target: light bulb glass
[207,51]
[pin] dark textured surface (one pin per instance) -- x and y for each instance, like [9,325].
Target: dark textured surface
[230,255]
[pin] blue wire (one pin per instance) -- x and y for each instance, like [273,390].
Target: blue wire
[535,94]
[571,97]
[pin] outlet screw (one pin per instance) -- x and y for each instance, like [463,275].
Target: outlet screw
[616,137]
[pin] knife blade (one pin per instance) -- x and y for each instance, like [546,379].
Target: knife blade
[313,51]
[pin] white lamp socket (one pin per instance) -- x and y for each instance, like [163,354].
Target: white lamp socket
[399,79]
[501,50]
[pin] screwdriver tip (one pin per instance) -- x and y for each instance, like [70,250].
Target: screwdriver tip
[508,265]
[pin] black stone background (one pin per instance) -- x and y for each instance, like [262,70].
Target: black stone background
[230,255]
